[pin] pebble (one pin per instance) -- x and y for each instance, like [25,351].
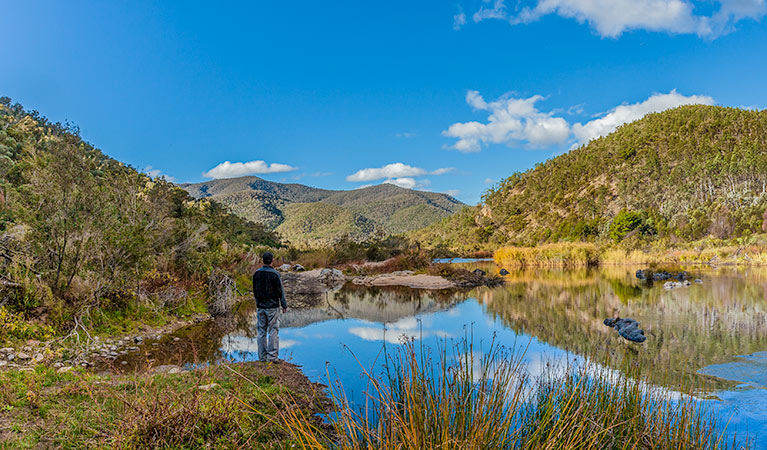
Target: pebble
[39,357]
[124,363]
[27,349]
[3,363]
[176,339]
[11,357]
[64,369]
[57,365]
[22,355]
[6,350]
[132,349]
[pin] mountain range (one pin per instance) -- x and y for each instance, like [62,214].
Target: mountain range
[308,217]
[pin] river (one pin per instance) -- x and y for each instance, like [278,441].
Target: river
[709,338]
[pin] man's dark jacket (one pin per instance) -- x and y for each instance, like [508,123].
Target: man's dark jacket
[267,288]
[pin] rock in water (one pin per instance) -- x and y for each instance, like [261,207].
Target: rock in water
[504,272]
[479,272]
[627,328]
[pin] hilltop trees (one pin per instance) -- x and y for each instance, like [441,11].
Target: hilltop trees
[681,174]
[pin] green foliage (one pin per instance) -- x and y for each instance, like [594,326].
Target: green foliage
[80,231]
[623,223]
[691,172]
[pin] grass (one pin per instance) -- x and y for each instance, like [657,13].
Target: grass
[466,399]
[549,255]
[81,410]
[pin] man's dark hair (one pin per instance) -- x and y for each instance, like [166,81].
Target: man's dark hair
[267,258]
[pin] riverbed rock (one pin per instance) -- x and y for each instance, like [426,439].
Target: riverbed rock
[669,285]
[627,328]
[168,368]
[662,275]
[284,268]
[298,268]
[504,272]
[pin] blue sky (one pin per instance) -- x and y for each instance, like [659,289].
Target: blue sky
[444,96]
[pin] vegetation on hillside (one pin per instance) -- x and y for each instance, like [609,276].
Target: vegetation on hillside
[87,239]
[310,218]
[676,176]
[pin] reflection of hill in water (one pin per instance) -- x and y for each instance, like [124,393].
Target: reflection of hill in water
[383,305]
[687,328]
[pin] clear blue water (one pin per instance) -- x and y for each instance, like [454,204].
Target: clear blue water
[709,338]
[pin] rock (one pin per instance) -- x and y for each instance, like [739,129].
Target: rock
[169,368]
[479,272]
[504,272]
[3,363]
[132,349]
[27,349]
[298,268]
[641,274]
[22,355]
[124,363]
[6,350]
[335,273]
[39,357]
[698,280]
[11,357]
[627,328]
[284,268]
[64,369]
[675,284]
[207,387]
[176,339]
[57,365]
[85,364]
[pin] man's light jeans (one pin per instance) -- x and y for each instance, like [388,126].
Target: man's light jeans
[268,334]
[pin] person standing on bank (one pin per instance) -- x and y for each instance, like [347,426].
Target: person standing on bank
[270,297]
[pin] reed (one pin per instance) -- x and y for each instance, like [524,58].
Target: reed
[465,401]
[565,254]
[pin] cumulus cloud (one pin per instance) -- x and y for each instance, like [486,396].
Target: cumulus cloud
[611,120]
[459,20]
[403,182]
[511,121]
[611,18]
[393,171]
[229,169]
[515,121]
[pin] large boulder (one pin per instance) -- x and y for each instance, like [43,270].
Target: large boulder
[627,328]
[285,268]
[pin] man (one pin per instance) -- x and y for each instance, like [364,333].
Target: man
[270,297]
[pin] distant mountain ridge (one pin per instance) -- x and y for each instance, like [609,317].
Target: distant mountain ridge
[308,216]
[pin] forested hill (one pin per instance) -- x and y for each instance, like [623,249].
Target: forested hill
[81,231]
[308,216]
[682,175]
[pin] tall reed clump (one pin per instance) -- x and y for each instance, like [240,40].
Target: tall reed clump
[565,254]
[472,400]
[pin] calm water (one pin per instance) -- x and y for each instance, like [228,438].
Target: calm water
[710,338]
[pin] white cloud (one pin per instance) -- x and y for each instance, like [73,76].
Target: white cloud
[459,20]
[611,18]
[394,170]
[405,135]
[229,169]
[629,113]
[403,182]
[516,121]
[511,121]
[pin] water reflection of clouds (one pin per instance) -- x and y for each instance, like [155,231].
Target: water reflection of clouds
[395,332]
[243,344]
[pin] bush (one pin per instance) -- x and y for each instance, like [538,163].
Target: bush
[624,223]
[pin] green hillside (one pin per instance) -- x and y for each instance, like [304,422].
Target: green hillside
[87,240]
[307,216]
[678,175]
